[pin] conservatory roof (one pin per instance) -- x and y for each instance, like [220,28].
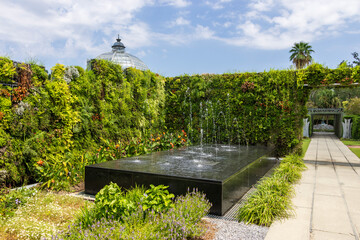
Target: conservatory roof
[119,56]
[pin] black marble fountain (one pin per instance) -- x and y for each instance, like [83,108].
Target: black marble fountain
[223,172]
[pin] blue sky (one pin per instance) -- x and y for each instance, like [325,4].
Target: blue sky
[176,37]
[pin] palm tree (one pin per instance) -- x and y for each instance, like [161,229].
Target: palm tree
[300,54]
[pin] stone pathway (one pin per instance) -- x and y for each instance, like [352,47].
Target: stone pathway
[327,201]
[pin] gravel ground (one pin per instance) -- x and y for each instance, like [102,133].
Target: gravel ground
[232,230]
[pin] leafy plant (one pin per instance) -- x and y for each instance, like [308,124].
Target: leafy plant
[10,200]
[181,221]
[272,197]
[7,70]
[157,199]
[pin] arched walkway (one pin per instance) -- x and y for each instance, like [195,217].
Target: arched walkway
[338,114]
[327,201]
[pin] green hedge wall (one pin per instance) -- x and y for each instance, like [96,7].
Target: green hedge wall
[48,123]
[246,108]
[51,126]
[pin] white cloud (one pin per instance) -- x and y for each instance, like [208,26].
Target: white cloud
[217,4]
[277,24]
[176,3]
[203,32]
[67,28]
[180,21]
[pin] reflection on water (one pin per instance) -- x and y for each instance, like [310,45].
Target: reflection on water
[209,161]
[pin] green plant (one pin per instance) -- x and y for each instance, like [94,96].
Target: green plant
[182,221]
[301,54]
[157,198]
[270,201]
[10,200]
[356,151]
[352,106]
[272,197]
[7,70]
[41,216]
[110,201]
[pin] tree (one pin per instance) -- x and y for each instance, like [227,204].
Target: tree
[352,106]
[357,60]
[324,98]
[355,63]
[300,54]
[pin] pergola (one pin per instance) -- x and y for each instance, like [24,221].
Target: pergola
[338,114]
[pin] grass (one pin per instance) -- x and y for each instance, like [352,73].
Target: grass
[356,151]
[34,214]
[305,145]
[272,198]
[43,215]
[351,142]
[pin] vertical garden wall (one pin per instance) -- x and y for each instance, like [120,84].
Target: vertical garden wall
[51,126]
[242,108]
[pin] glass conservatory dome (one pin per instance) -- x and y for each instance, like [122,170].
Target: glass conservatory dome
[119,56]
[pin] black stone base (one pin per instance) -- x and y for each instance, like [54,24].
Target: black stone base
[222,185]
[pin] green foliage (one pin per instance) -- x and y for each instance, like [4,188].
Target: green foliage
[39,215]
[10,200]
[351,142]
[56,126]
[272,197]
[51,127]
[325,98]
[301,54]
[352,106]
[355,127]
[356,151]
[290,169]
[181,221]
[111,201]
[157,198]
[304,146]
[272,200]
[245,108]
[7,70]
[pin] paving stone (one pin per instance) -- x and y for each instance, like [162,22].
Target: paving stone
[320,235]
[352,197]
[326,189]
[336,199]
[355,217]
[303,195]
[330,215]
[294,228]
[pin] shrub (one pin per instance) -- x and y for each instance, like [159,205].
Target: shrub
[272,197]
[180,221]
[353,106]
[270,201]
[157,199]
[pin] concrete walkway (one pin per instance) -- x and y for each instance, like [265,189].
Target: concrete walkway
[327,201]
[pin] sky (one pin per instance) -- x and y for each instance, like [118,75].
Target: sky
[176,37]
